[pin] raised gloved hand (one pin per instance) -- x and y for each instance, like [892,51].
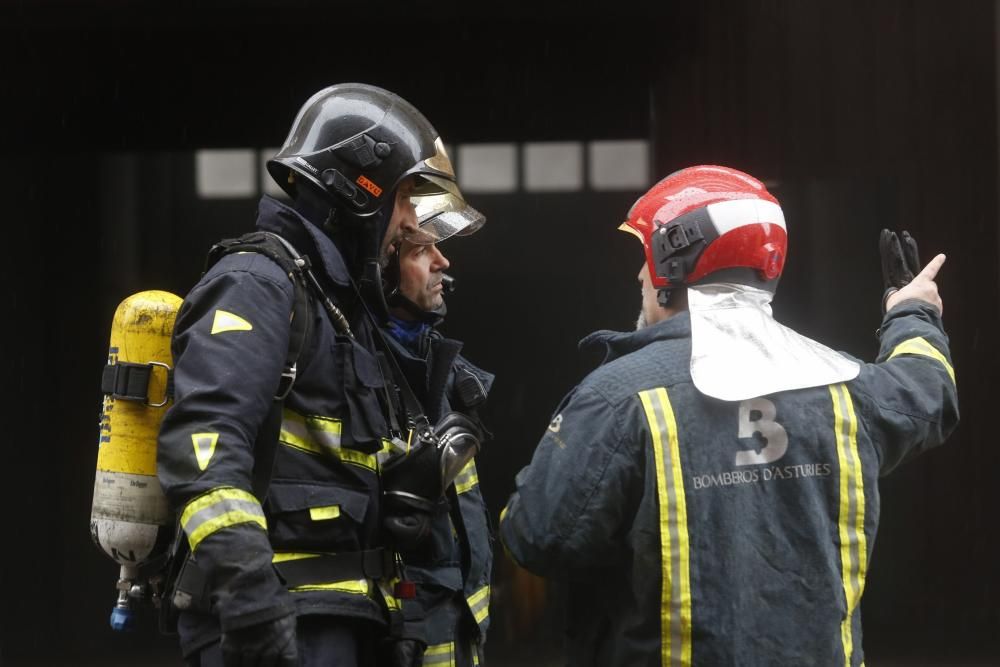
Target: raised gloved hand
[922,287]
[268,644]
[900,261]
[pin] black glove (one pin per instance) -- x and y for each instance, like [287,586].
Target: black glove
[900,261]
[269,644]
[402,653]
[407,521]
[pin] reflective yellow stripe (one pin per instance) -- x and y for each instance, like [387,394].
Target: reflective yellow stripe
[851,516]
[391,601]
[675,592]
[921,347]
[479,604]
[503,512]
[219,508]
[355,586]
[204,447]
[479,595]
[324,513]
[468,478]
[388,450]
[386,588]
[321,435]
[440,655]
[283,556]
[226,321]
[354,457]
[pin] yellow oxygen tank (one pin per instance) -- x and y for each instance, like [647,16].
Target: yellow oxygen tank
[129,519]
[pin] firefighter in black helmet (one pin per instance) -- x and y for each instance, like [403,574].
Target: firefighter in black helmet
[295,569]
[356,147]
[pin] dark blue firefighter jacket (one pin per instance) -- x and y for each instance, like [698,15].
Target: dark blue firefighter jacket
[697,531]
[230,343]
[452,569]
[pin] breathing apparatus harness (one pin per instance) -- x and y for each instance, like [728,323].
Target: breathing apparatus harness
[187,584]
[413,481]
[171,573]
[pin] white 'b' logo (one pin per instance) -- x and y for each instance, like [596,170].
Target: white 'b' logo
[757,417]
[556,423]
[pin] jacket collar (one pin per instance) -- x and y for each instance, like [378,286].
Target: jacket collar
[280,218]
[619,343]
[426,365]
[429,342]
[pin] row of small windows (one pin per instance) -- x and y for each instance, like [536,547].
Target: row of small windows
[481,168]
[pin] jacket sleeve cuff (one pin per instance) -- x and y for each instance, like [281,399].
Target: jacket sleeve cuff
[280,610]
[910,306]
[243,586]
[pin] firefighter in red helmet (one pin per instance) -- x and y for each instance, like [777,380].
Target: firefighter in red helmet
[710,491]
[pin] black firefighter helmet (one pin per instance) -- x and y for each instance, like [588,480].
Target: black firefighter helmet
[355,142]
[352,144]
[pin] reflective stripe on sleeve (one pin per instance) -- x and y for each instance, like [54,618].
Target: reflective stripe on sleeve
[321,435]
[468,478]
[440,655]
[921,347]
[219,508]
[479,604]
[675,592]
[851,517]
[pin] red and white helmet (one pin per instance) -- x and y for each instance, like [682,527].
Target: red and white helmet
[710,224]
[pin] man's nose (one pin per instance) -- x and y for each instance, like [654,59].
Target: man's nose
[440,260]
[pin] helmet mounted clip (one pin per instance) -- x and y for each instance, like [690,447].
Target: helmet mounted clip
[678,244]
[351,193]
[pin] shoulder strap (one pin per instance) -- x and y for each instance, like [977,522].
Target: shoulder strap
[283,254]
[415,416]
[295,266]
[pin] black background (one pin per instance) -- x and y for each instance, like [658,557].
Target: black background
[859,115]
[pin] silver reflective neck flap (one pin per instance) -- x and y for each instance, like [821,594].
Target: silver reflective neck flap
[738,350]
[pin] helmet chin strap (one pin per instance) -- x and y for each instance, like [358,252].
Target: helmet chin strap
[372,284]
[370,287]
[359,240]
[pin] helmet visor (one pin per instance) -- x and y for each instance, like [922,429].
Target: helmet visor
[442,212]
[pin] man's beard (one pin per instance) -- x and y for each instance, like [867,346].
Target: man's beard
[640,322]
